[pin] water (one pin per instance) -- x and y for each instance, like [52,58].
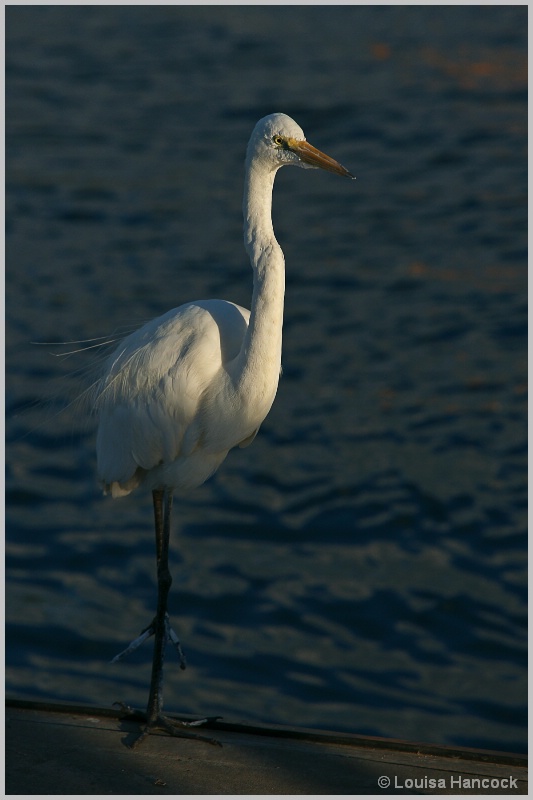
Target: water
[362,566]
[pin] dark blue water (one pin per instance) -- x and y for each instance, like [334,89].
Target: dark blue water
[362,566]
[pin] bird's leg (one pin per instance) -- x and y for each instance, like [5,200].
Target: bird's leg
[158,497]
[163,633]
[164,581]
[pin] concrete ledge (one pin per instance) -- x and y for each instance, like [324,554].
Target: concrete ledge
[61,749]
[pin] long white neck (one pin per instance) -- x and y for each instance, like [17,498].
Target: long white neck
[260,356]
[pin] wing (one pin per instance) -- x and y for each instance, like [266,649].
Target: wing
[149,400]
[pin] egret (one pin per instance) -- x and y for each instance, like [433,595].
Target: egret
[180,392]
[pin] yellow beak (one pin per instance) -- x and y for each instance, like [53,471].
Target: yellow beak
[310,155]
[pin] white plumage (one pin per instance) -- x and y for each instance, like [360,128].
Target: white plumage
[185,388]
[170,409]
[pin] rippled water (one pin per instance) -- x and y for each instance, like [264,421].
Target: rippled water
[361,567]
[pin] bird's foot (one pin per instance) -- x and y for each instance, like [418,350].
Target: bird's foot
[170,636]
[171,725]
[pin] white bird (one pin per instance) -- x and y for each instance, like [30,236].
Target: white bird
[185,388]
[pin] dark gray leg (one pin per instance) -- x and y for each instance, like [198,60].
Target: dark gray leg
[160,628]
[162,512]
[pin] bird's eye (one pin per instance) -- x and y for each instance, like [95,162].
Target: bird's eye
[278,141]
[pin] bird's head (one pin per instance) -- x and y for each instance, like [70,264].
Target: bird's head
[279,140]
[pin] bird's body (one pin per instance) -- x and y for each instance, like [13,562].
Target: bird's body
[187,387]
[172,406]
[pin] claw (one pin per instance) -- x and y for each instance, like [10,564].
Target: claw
[172,726]
[177,728]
